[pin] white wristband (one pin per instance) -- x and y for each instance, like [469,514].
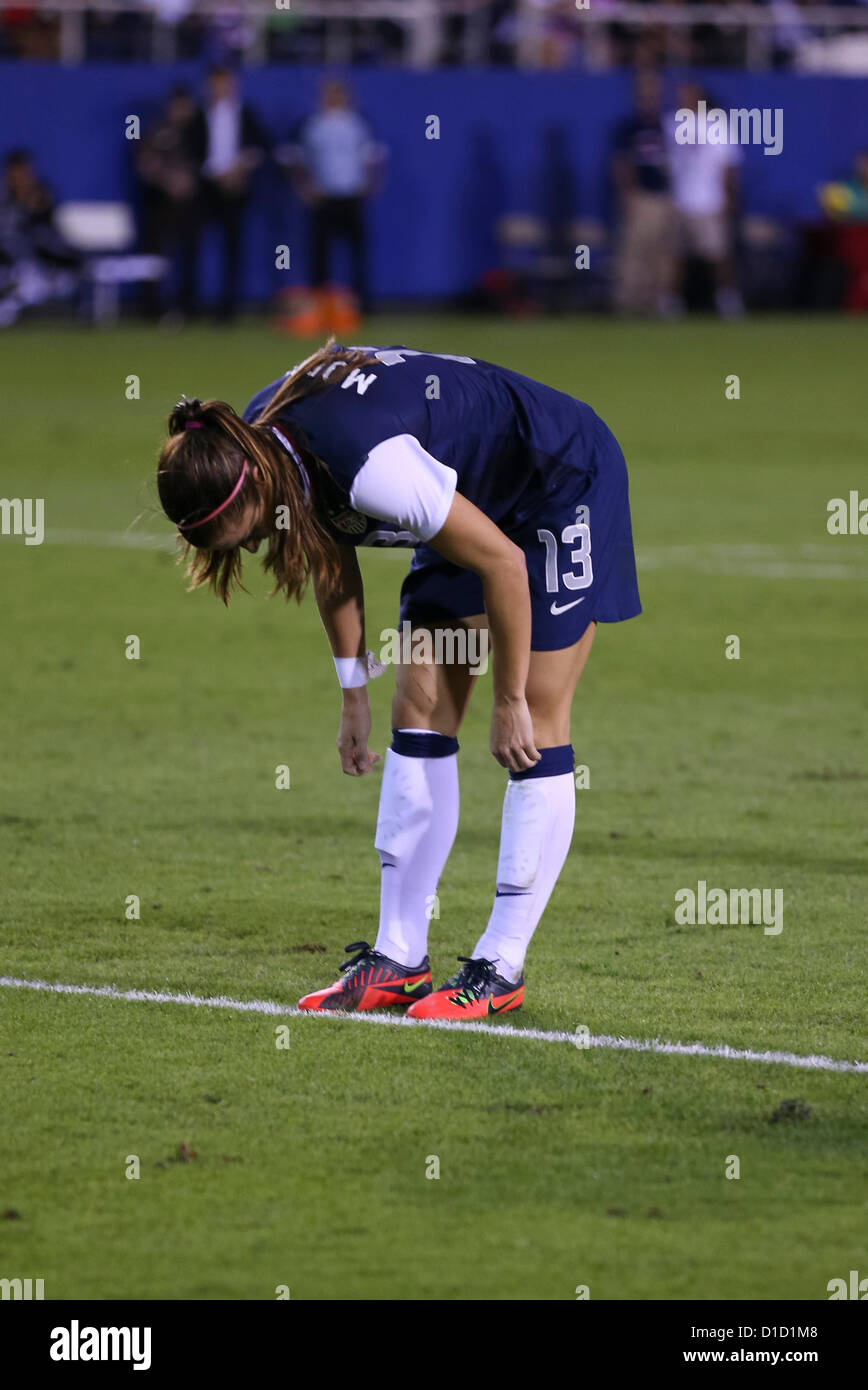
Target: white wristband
[352,671]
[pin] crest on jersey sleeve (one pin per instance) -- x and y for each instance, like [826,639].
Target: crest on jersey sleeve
[351,522]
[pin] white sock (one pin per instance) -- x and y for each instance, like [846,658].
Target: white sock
[538,818]
[416,828]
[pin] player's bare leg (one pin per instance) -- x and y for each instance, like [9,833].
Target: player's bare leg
[551,686]
[430,695]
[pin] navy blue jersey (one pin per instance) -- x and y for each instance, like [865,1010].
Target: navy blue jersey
[402,434]
[642,139]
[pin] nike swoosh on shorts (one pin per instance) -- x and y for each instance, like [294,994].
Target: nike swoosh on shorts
[562,608]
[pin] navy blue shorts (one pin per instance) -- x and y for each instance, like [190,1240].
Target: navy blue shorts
[578,545]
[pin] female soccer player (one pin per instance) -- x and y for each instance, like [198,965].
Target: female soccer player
[514,499]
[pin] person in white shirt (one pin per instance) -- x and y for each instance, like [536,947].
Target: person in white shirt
[230,144]
[704,181]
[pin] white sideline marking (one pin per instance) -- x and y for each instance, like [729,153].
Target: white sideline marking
[810,560]
[112,540]
[494,1030]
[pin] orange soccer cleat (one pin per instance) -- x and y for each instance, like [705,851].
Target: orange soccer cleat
[477,991]
[371,981]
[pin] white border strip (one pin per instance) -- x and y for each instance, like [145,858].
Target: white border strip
[494,1030]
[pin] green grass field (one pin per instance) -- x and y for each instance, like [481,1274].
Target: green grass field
[559,1166]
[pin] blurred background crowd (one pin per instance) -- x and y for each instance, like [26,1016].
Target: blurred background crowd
[252,175]
[539,33]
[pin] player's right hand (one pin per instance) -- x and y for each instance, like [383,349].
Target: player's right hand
[356,757]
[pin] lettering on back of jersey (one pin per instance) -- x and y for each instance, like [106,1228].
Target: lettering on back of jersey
[380,537]
[393,357]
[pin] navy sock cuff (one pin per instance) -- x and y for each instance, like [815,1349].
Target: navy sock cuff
[553,762]
[431,745]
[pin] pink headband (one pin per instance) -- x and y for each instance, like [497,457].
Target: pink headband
[190,525]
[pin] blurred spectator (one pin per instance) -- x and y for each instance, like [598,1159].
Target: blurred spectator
[645,270]
[36,265]
[230,143]
[230,34]
[848,201]
[333,161]
[556,31]
[170,11]
[795,28]
[705,191]
[835,254]
[788,33]
[28,33]
[168,169]
[117,36]
[192,29]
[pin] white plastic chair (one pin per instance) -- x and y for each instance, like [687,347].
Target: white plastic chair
[104,232]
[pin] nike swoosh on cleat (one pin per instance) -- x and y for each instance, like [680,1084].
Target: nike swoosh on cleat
[557,608]
[492,1009]
[408,989]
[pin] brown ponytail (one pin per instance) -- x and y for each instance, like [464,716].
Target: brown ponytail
[203,459]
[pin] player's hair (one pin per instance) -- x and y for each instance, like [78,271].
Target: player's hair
[199,478]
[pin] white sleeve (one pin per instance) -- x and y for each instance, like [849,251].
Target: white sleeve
[401,482]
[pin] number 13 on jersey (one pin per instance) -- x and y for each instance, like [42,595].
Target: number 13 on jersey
[577,538]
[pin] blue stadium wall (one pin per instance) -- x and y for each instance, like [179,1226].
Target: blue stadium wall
[509,141]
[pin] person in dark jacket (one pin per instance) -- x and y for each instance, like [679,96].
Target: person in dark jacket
[36,264]
[168,168]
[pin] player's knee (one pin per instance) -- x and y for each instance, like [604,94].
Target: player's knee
[415,710]
[414,699]
[409,713]
[551,721]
